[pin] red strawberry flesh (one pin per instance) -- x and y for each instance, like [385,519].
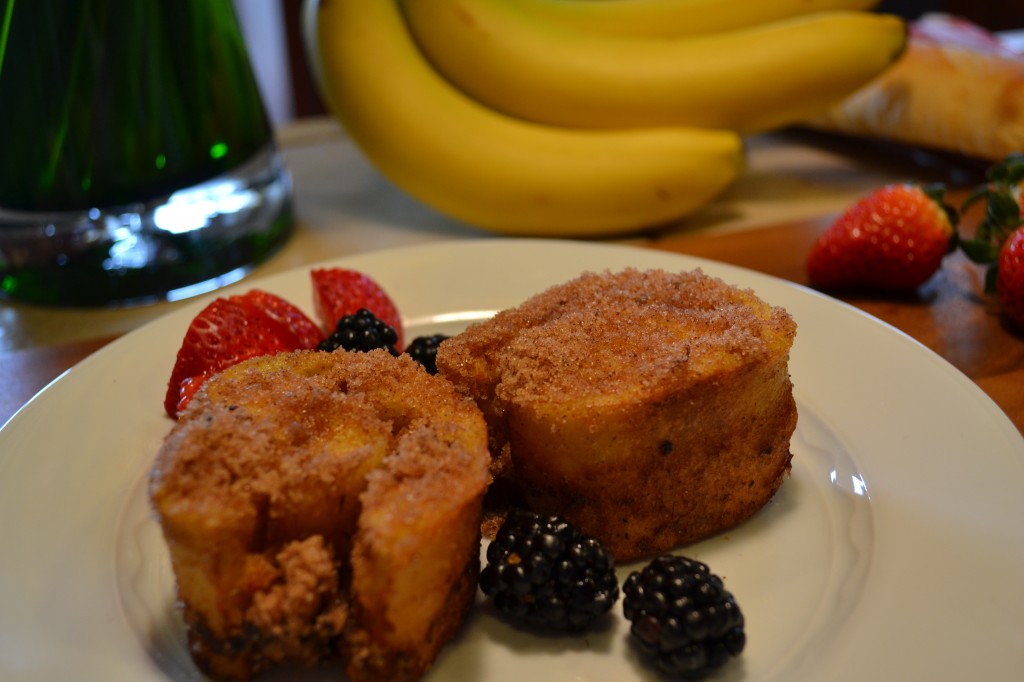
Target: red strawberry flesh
[293,326]
[338,292]
[230,330]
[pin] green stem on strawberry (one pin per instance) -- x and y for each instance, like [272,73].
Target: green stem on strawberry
[1001,194]
[936,191]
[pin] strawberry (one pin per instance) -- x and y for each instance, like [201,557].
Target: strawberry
[338,292]
[1010,278]
[999,240]
[230,330]
[293,326]
[892,240]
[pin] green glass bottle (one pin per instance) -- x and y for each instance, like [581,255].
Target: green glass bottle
[136,159]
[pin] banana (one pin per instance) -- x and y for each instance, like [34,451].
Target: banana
[674,18]
[496,172]
[753,79]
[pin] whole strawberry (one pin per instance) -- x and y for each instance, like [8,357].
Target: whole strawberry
[892,240]
[1010,278]
[999,240]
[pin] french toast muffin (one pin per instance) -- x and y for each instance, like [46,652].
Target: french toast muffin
[323,506]
[648,408]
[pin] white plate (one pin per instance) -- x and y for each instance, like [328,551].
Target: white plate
[894,552]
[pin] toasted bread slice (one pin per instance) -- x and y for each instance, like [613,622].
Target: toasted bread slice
[300,496]
[650,409]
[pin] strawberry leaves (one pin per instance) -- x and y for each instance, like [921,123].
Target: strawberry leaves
[999,241]
[1001,194]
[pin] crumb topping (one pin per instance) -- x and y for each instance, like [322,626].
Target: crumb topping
[261,490]
[661,327]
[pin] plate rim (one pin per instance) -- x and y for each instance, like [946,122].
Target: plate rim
[182,315]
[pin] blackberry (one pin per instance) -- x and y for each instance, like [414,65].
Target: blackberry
[423,350]
[682,617]
[361,331]
[542,572]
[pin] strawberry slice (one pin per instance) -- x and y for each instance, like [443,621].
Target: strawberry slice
[338,292]
[294,327]
[231,330]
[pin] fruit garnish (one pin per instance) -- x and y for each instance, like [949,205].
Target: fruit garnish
[1001,194]
[999,240]
[891,241]
[293,326]
[1010,278]
[542,572]
[230,330]
[423,349]
[338,292]
[682,617]
[361,332]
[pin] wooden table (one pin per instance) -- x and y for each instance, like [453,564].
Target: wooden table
[793,189]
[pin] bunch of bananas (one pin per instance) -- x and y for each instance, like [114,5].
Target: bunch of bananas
[583,117]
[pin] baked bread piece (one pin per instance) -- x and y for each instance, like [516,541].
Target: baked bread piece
[323,505]
[955,89]
[649,408]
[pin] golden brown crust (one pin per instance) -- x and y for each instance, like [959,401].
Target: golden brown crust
[649,408]
[946,97]
[268,494]
[416,556]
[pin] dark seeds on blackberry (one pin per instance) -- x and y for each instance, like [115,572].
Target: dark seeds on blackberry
[682,617]
[543,573]
[423,349]
[362,332]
